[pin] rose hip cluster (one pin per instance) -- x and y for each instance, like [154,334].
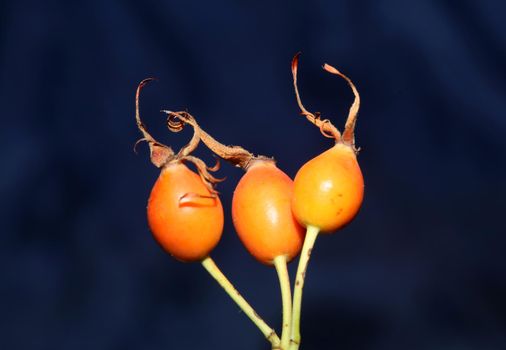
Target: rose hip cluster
[276,218]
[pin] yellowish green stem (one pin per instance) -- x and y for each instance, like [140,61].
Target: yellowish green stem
[311,234]
[267,331]
[286,297]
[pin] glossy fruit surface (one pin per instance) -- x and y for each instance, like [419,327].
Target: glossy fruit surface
[328,189]
[182,215]
[262,216]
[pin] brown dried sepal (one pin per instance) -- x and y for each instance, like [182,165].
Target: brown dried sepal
[326,127]
[162,155]
[204,172]
[236,155]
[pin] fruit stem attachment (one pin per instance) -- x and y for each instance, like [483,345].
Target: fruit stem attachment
[311,235]
[286,297]
[266,330]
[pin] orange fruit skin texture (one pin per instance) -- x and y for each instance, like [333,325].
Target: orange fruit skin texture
[262,216]
[186,231]
[328,189]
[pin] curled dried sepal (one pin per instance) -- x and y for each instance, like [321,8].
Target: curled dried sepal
[215,167]
[349,129]
[204,172]
[326,127]
[160,154]
[236,155]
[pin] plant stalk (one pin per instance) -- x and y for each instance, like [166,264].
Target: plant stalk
[286,296]
[311,235]
[266,330]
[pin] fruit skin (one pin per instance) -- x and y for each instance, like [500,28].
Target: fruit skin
[187,230]
[262,216]
[328,189]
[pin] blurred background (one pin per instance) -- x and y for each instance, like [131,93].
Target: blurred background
[421,267]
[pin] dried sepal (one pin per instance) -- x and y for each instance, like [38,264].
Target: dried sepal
[349,129]
[190,146]
[215,167]
[204,172]
[160,154]
[184,154]
[325,126]
[236,155]
[323,131]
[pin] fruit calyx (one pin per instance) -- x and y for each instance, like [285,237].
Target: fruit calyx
[162,155]
[326,127]
[236,155]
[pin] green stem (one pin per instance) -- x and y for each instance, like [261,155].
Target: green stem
[286,296]
[267,331]
[311,234]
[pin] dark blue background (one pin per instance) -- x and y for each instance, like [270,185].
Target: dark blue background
[422,266]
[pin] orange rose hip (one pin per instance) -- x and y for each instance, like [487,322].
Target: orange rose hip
[261,213]
[184,217]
